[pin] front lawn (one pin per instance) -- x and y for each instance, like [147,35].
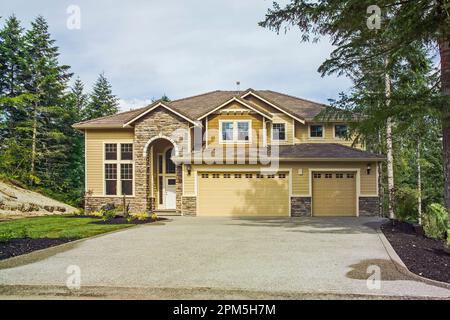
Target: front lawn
[29,234]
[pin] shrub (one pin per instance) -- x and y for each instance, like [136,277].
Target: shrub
[141,216]
[436,222]
[406,204]
[98,214]
[154,216]
[108,214]
[79,212]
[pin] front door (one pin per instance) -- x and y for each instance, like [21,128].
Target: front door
[170,193]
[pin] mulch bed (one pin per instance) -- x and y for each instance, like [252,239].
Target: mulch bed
[426,257]
[122,220]
[17,247]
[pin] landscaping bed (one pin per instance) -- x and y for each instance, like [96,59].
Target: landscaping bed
[17,247]
[122,220]
[426,257]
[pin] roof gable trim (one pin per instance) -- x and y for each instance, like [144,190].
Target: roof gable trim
[238,101]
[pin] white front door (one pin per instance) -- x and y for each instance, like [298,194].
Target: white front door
[170,193]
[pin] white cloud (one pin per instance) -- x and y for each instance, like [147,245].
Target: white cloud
[130,104]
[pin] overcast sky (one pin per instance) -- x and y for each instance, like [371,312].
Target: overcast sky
[147,48]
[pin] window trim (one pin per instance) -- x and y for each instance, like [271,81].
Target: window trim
[323,131]
[118,162]
[334,130]
[285,131]
[236,132]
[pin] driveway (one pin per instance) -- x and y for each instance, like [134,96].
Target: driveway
[242,258]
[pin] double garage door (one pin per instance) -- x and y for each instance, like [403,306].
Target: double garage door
[243,194]
[334,193]
[254,194]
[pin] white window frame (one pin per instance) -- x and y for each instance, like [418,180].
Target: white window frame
[334,130]
[316,124]
[235,132]
[118,162]
[285,131]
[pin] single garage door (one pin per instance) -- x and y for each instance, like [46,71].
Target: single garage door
[243,194]
[334,193]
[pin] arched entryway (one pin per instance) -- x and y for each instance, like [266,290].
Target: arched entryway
[162,175]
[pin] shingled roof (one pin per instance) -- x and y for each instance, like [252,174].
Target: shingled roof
[325,151]
[196,106]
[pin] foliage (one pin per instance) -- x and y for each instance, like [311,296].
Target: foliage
[154,216]
[436,221]
[98,214]
[406,204]
[109,214]
[141,216]
[38,146]
[54,227]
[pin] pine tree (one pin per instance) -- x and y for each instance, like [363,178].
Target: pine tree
[102,101]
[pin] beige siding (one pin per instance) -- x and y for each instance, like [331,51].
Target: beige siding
[302,135]
[94,154]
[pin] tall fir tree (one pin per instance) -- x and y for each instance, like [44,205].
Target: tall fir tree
[102,101]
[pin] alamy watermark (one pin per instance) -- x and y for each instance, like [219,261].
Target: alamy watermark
[73,21]
[373,22]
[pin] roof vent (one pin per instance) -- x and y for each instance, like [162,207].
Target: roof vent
[238,86]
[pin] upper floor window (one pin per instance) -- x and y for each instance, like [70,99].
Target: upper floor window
[235,131]
[126,151]
[279,131]
[110,151]
[340,130]
[316,131]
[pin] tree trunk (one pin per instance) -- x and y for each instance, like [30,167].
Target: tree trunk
[390,153]
[444,49]
[419,184]
[33,142]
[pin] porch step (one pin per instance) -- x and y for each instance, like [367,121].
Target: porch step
[162,212]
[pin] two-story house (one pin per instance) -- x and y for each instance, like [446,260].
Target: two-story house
[229,153]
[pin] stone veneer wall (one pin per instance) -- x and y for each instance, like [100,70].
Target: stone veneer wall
[369,206]
[189,206]
[179,188]
[92,204]
[300,206]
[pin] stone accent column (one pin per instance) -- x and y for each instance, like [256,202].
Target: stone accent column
[300,206]
[179,188]
[189,206]
[369,206]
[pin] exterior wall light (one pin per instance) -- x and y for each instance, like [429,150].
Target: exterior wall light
[369,168]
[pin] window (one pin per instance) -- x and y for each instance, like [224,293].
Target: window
[110,151]
[170,166]
[316,131]
[328,175]
[235,131]
[216,175]
[111,178]
[248,175]
[340,131]
[227,131]
[160,164]
[243,131]
[317,175]
[238,175]
[350,176]
[160,188]
[281,176]
[339,175]
[205,175]
[271,176]
[126,178]
[279,131]
[227,175]
[126,151]
[259,176]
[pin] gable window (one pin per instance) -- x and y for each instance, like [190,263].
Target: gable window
[126,151]
[110,151]
[235,131]
[340,130]
[316,131]
[111,178]
[227,131]
[279,131]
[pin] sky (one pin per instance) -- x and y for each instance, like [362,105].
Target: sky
[180,48]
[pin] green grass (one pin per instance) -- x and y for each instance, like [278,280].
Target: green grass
[54,227]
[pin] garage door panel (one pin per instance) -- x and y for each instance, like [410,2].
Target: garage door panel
[334,194]
[243,196]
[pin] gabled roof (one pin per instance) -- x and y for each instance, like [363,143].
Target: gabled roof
[246,104]
[325,151]
[195,107]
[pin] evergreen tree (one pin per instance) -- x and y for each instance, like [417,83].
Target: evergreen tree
[102,101]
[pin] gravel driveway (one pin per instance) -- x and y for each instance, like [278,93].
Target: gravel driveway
[289,256]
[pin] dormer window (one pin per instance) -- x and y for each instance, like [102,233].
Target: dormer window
[316,131]
[235,131]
